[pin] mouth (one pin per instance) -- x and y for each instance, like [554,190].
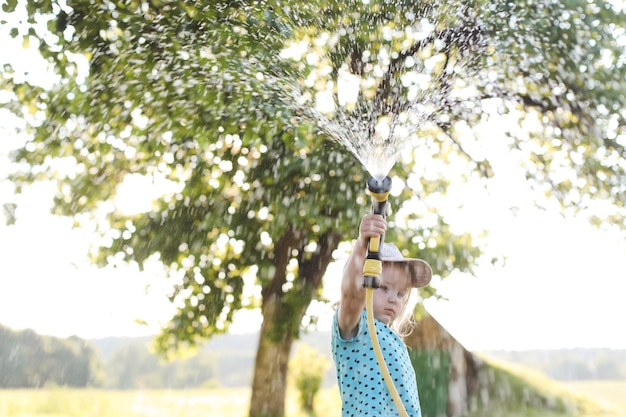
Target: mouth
[390,312]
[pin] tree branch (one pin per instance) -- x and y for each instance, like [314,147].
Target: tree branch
[282,254]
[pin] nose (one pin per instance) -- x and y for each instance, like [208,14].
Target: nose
[393,297]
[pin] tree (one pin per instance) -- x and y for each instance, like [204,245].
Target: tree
[134,366]
[199,97]
[29,360]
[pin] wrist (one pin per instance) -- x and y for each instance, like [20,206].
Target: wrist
[361,243]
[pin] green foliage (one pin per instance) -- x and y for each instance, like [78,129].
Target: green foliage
[575,81]
[257,187]
[133,366]
[28,360]
[432,372]
[307,369]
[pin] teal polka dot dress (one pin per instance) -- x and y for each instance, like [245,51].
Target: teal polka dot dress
[362,386]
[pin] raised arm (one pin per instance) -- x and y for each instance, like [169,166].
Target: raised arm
[352,291]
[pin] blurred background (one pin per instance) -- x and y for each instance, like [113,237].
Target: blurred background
[158,162]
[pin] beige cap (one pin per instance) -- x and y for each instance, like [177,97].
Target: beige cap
[421,272]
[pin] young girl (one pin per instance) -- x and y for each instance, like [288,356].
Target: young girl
[361,384]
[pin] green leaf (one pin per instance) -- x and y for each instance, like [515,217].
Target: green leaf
[9,6]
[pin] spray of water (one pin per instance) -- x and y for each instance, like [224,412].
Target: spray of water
[377,96]
[367,75]
[376,140]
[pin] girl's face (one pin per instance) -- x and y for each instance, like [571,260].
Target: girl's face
[390,298]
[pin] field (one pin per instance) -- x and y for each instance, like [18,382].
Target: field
[232,402]
[60,402]
[609,394]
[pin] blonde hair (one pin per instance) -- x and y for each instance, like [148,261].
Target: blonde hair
[404,323]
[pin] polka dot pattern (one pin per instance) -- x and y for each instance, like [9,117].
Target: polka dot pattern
[362,386]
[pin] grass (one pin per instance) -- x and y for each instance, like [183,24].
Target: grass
[609,394]
[584,399]
[219,402]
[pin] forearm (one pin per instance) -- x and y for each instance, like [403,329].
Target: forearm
[352,291]
[352,280]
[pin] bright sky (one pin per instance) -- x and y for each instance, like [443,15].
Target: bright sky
[562,285]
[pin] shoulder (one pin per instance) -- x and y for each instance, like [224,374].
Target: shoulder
[353,335]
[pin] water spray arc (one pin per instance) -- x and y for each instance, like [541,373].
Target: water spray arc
[372,269]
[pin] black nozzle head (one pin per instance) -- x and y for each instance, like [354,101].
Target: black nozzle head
[371,281]
[378,186]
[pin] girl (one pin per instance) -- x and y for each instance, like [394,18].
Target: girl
[361,384]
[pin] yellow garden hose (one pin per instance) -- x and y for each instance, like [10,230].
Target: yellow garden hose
[372,269]
[371,327]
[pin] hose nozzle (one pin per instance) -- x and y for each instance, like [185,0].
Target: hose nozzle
[379,191]
[379,187]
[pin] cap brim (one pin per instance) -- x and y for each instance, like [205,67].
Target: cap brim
[421,272]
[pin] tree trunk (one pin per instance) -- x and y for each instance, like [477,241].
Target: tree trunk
[269,385]
[282,316]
